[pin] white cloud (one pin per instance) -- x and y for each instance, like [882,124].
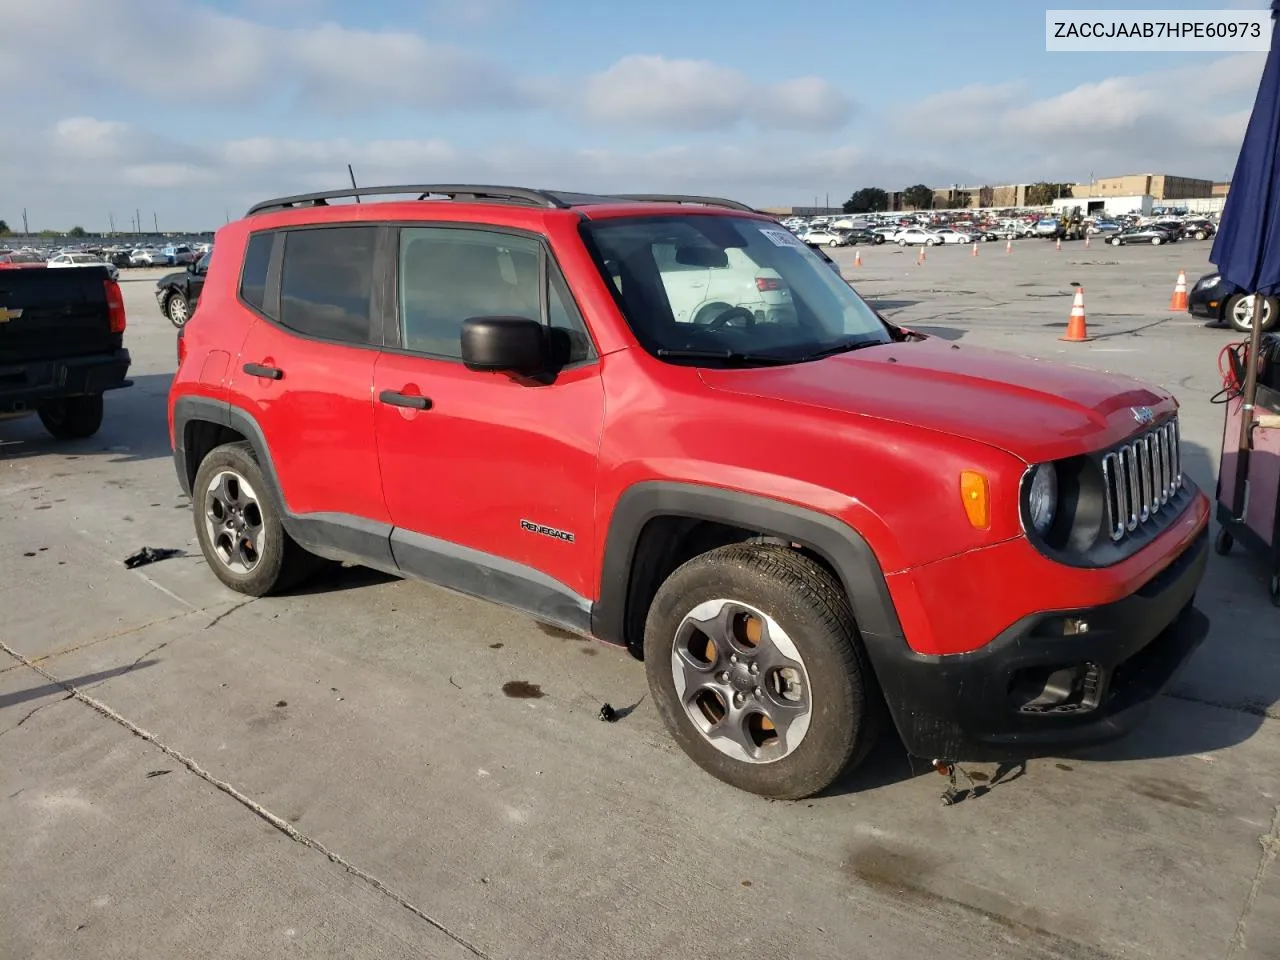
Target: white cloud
[1187,120]
[653,90]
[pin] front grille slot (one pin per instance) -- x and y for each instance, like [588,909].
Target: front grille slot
[1141,476]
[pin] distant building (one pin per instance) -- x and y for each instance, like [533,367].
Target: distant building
[1161,186]
[1221,189]
[802,211]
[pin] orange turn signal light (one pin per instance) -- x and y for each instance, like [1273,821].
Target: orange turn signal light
[976,496]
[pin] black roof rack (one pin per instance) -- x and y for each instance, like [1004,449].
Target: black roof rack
[684,198]
[538,198]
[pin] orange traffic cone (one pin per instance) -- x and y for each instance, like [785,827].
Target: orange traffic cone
[1179,299]
[920,259]
[1008,246]
[1058,245]
[975,249]
[857,258]
[1077,330]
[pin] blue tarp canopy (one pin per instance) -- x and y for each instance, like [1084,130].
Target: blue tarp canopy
[1247,247]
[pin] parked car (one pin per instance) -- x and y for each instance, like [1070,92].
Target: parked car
[83,260]
[61,347]
[18,260]
[1213,298]
[546,432]
[1200,229]
[1150,234]
[179,255]
[824,238]
[178,293]
[862,235]
[948,235]
[710,286]
[916,235]
[148,257]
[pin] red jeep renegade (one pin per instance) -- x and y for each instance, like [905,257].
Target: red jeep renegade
[666,423]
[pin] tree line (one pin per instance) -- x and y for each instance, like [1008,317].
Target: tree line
[921,197]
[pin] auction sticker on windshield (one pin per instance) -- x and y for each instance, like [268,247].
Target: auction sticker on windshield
[783,238]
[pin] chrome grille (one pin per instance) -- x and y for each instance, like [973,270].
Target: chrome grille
[1141,476]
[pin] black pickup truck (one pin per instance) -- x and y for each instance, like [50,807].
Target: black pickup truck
[61,347]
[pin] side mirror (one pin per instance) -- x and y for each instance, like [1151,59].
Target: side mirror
[505,344]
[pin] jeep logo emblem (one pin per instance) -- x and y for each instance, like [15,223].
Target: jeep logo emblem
[1142,414]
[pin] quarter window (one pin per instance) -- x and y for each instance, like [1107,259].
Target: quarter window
[253,278]
[326,282]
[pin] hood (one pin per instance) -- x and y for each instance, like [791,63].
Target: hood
[169,279]
[1033,409]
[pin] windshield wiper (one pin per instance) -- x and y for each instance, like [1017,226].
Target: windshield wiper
[725,356]
[841,348]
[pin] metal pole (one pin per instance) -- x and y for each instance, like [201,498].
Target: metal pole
[1247,399]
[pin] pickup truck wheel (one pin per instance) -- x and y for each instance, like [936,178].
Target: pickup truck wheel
[72,418]
[177,309]
[239,526]
[756,668]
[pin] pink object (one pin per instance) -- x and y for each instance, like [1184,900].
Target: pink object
[1264,472]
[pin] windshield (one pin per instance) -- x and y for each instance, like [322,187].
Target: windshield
[730,285]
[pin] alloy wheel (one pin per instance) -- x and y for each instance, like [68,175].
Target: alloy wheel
[233,522]
[741,681]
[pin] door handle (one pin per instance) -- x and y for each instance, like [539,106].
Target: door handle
[397,399]
[259,370]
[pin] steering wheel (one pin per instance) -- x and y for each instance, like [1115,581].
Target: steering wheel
[733,313]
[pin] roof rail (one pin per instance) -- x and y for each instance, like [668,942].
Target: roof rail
[684,198]
[540,198]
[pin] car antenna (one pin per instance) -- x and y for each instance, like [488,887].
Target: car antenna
[352,174]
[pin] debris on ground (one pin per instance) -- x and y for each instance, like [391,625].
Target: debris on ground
[608,714]
[150,555]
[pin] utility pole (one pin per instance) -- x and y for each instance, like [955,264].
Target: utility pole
[137,220]
[111,219]
[25,229]
[155,220]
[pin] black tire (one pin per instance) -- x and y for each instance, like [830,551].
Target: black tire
[281,564]
[177,309]
[1156,241]
[72,418]
[809,604]
[1200,235]
[1224,542]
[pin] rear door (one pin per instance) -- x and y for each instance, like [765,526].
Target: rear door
[305,373]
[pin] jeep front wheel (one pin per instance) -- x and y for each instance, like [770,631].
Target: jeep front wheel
[757,671]
[239,527]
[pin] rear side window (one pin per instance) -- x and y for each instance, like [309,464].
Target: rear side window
[253,277]
[326,282]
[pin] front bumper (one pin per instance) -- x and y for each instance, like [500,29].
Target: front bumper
[973,706]
[24,386]
[1207,302]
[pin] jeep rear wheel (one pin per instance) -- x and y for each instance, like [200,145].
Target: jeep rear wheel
[239,526]
[757,670]
[72,418]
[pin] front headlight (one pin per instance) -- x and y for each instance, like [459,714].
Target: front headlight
[1042,497]
[1206,283]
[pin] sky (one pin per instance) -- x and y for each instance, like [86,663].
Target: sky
[190,111]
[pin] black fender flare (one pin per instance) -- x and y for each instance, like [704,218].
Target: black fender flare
[841,546]
[222,413]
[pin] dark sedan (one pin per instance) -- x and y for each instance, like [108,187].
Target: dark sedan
[178,293]
[1215,300]
[1153,235]
[860,235]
